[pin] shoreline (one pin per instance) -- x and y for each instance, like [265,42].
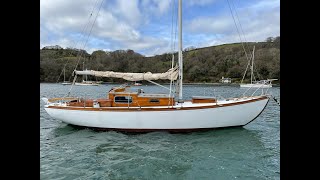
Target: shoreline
[214,84]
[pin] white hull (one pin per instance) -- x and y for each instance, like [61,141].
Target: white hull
[66,83]
[156,119]
[256,85]
[86,84]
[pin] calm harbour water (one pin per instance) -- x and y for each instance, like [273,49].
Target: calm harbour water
[250,152]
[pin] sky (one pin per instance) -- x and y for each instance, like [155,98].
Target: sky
[149,27]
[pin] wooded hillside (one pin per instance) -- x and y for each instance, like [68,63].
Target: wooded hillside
[201,65]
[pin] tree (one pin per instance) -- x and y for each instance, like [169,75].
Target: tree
[202,64]
[276,42]
[269,39]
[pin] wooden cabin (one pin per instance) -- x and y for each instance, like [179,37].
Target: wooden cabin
[120,97]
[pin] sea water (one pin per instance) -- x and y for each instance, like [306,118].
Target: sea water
[249,152]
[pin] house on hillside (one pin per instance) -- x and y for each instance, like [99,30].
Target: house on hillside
[52,47]
[225,80]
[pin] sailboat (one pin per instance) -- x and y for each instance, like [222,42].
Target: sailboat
[64,77]
[256,84]
[139,111]
[137,84]
[85,81]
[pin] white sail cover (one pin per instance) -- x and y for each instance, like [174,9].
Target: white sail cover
[171,74]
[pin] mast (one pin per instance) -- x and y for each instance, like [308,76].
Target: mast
[83,70]
[180,51]
[64,74]
[86,77]
[252,63]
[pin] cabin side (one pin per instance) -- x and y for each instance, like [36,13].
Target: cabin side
[203,99]
[121,97]
[139,99]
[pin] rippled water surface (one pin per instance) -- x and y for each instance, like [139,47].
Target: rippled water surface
[250,152]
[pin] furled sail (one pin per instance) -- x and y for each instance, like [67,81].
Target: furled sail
[171,74]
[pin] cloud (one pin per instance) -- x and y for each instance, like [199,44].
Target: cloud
[210,24]
[109,26]
[199,2]
[60,14]
[265,5]
[128,11]
[155,7]
[258,22]
[145,25]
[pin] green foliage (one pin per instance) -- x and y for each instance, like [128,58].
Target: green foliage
[207,64]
